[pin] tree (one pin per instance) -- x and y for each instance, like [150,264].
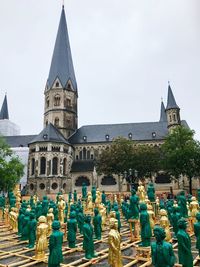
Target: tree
[11,168]
[181,154]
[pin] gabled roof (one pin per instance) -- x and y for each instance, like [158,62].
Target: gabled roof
[163,115]
[62,64]
[4,110]
[19,140]
[171,102]
[49,134]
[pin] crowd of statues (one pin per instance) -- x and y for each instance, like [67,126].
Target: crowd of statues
[45,223]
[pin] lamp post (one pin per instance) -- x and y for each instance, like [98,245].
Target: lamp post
[131,177]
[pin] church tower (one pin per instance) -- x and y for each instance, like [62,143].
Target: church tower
[172,110]
[61,93]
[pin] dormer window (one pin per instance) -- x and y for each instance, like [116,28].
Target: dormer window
[84,138]
[130,136]
[56,122]
[107,137]
[153,134]
[57,100]
[57,84]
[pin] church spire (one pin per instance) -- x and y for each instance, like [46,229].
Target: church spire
[171,102]
[4,110]
[163,115]
[62,64]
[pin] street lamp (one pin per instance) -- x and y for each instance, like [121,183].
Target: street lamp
[131,177]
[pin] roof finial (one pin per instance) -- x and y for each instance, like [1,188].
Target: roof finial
[161,99]
[169,83]
[63,3]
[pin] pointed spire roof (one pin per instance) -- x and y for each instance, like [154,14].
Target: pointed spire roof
[62,64]
[4,110]
[163,115]
[49,134]
[171,102]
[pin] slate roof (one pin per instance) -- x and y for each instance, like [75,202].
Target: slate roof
[19,140]
[163,115]
[82,166]
[49,134]
[62,64]
[171,102]
[4,110]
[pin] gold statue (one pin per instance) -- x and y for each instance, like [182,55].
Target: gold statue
[35,199]
[164,223]
[50,218]
[13,216]
[152,217]
[114,239]
[102,211]
[18,198]
[141,192]
[61,209]
[6,215]
[41,238]
[89,203]
[193,208]
[98,198]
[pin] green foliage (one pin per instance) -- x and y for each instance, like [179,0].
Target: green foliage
[11,168]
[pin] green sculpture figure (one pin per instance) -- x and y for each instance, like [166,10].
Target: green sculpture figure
[72,229]
[25,226]
[66,212]
[134,205]
[197,231]
[84,191]
[20,220]
[70,197]
[55,246]
[183,204]
[103,198]
[88,242]
[32,230]
[145,227]
[45,206]
[184,245]
[151,192]
[38,210]
[80,219]
[175,218]
[161,251]
[93,194]
[97,221]
[75,196]
[117,216]
[55,213]
[108,207]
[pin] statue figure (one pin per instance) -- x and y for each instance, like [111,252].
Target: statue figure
[183,204]
[141,192]
[13,219]
[103,198]
[80,219]
[45,205]
[175,218]
[134,205]
[88,242]
[50,219]
[61,209]
[97,221]
[32,230]
[25,226]
[98,198]
[114,240]
[145,227]
[18,198]
[20,220]
[194,207]
[117,215]
[197,231]
[89,203]
[152,217]
[38,210]
[102,211]
[84,191]
[72,229]
[161,251]
[41,238]
[151,192]
[75,196]
[93,194]
[164,223]
[184,245]
[55,246]
[35,199]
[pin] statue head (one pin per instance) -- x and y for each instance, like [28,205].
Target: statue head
[50,210]
[182,224]
[96,211]
[113,223]
[193,198]
[159,233]
[27,213]
[74,191]
[116,208]
[143,206]
[88,219]
[198,216]
[42,219]
[32,216]
[182,193]
[72,215]
[56,225]
[163,212]
[112,214]
[133,192]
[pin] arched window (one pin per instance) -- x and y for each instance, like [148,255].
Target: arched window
[88,154]
[56,122]
[47,102]
[43,165]
[84,153]
[46,122]
[108,180]
[64,166]
[81,154]
[57,100]
[82,179]
[32,166]
[174,116]
[55,166]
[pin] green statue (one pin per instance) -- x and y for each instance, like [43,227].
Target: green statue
[145,227]
[161,251]
[184,245]
[134,205]
[197,231]
[66,212]
[84,191]
[38,210]
[151,192]
[25,226]
[72,229]
[97,221]
[103,198]
[45,206]
[93,194]
[88,242]
[117,216]
[183,204]
[32,230]
[75,196]
[55,246]
[175,217]
[70,197]
[80,219]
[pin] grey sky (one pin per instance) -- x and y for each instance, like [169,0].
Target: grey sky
[124,53]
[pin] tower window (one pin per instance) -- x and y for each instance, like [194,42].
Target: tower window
[84,153]
[57,100]
[170,118]
[64,166]
[56,122]
[47,102]
[55,166]
[174,116]
[69,103]
[57,84]
[32,166]
[43,165]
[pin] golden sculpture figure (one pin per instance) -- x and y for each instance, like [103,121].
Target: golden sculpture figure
[194,208]
[152,217]
[6,215]
[50,218]
[89,203]
[114,239]
[35,199]
[41,238]
[61,209]
[102,211]
[98,198]
[141,192]
[164,223]
[18,198]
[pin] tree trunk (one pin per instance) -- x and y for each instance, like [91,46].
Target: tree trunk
[190,185]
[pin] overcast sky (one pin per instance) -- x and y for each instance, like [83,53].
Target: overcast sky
[124,52]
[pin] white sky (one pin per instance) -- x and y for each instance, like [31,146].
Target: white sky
[124,53]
